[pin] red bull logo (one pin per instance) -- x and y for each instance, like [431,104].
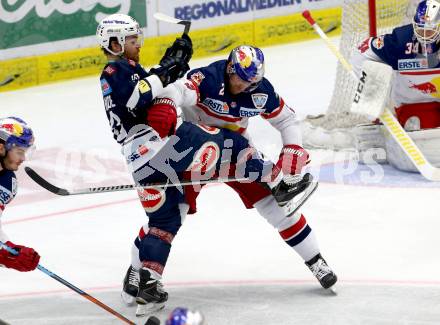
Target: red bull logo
[12,128]
[244,59]
[430,87]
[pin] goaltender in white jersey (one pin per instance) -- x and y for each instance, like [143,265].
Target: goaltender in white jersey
[413,52]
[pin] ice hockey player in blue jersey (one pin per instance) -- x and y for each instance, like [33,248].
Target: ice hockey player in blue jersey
[159,148]
[16,137]
[225,94]
[413,52]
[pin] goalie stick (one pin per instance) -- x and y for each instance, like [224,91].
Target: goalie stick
[390,122]
[72,287]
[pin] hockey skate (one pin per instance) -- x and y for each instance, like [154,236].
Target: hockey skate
[130,286]
[326,277]
[151,297]
[292,192]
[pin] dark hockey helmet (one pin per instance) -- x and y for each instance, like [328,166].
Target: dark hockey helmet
[426,22]
[248,63]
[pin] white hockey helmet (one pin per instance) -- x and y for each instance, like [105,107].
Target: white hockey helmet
[426,21]
[118,26]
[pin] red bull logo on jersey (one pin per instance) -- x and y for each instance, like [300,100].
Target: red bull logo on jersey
[430,87]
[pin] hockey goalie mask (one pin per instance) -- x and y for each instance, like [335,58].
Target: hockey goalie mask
[117,26]
[426,22]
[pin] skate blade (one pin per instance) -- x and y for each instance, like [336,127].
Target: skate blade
[143,310]
[332,290]
[128,300]
[297,202]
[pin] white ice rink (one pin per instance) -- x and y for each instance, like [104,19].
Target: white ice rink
[381,238]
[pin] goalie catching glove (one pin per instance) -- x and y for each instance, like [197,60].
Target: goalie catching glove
[26,260]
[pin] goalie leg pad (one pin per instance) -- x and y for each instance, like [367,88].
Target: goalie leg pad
[428,142]
[369,138]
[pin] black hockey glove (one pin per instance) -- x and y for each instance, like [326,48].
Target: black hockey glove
[170,69]
[182,48]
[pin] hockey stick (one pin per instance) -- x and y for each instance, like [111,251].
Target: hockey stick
[72,287]
[162,17]
[62,191]
[386,117]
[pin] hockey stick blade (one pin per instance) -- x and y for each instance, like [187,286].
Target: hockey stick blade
[61,191]
[43,183]
[162,17]
[294,205]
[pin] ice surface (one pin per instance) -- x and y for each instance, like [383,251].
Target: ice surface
[382,240]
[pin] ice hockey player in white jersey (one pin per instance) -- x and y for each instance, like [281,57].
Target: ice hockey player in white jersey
[413,52]
[16,137]
[226,94]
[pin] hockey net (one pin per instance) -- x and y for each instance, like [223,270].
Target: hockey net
[333,130]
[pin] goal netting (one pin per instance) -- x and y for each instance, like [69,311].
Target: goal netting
[360,20]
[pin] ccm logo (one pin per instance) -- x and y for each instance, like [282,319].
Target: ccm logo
[360,87]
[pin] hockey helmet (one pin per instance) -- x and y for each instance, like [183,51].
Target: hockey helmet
[117,26]
[185,316]
[426,22]
[14,132]
[248,63]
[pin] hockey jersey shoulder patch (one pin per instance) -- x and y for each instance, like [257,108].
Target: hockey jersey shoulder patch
[110,70]
[105,87]
[197,77]
[259,100]
[378,43]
